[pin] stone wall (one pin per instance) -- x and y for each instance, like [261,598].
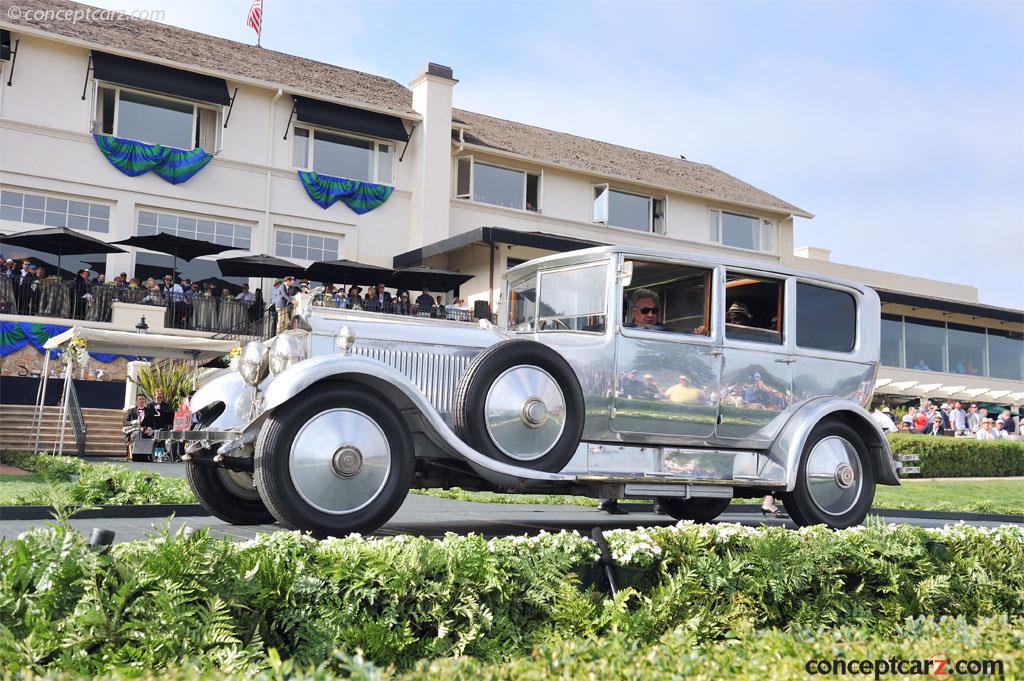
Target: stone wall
[32,359]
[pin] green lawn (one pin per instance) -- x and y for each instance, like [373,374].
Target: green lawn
[983,496]
[14,486]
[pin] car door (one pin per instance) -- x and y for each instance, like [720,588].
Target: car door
[756,375]
[666,372]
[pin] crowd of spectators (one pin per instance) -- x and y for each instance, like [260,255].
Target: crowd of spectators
[951,418]
[27,288]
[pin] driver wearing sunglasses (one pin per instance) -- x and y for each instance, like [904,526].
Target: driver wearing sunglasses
[645,310]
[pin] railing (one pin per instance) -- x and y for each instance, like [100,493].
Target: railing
[71,300]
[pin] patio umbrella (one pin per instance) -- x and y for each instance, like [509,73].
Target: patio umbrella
[59,241]
[175,246]
[346,271]
[416,278]
[261,265]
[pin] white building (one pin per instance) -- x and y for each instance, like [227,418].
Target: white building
[468,191]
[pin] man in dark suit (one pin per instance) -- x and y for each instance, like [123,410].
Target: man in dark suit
[140,413]
[159,412]
[383,299]
[935,426]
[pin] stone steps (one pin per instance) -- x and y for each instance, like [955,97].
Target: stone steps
[103,430]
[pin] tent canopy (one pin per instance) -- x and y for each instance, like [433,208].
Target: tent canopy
[148,344]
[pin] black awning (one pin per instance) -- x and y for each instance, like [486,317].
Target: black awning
[493,235]
[5,45]
[158,78]
[339,117]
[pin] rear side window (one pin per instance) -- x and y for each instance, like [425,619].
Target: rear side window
[826,319]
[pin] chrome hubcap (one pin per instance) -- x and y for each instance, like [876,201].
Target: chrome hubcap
[834,475]
[339,461]
[524,412]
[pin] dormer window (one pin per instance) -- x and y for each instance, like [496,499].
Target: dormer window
[497,185]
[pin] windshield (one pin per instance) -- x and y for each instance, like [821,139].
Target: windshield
[522,304]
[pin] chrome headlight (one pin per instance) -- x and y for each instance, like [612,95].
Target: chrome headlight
[253,363]
[288,349]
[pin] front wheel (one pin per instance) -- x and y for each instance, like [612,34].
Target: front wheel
[835,484]
[698,510]
[227,494]
[336,460]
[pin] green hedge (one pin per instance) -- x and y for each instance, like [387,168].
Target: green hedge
[75,481]
[219,605]
[961,457]
[751,655]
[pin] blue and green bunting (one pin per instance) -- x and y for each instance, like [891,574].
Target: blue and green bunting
[361,197]
[136,158]
[16,335]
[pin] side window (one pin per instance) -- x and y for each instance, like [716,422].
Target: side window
[826,319]
[522,304]
[753,308]
[668,297]
[573,299]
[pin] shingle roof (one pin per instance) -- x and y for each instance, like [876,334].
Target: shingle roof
[611,160]
[192,50]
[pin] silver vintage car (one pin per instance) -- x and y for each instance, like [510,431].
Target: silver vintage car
[614,373]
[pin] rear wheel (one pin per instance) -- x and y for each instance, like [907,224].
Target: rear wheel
[227,494]
[699,510]
[836,481]
[335,461]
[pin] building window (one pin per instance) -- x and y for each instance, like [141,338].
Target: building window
[193,227]
[303,246]
[966,350]
[53,211]
[1006,354]
[497,185]
[826,319]
[156,119]
[892,340]
[353,158]
[742,231]
[630,211]
[925,344]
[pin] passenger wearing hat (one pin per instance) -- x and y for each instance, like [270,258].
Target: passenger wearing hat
[986,432]
[738,313]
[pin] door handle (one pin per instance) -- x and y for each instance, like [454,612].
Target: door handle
[785,361]
[712,353]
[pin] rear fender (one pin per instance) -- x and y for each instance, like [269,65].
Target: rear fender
[785,452]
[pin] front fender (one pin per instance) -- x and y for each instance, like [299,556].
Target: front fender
[236,395]
[785,452]
[296,378]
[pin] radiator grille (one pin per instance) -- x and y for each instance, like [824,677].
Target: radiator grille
[436,375]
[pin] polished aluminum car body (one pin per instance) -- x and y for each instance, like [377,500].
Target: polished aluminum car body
[685,412]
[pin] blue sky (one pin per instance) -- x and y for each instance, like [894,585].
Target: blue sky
[900,125]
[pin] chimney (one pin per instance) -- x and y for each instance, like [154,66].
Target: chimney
[432,154]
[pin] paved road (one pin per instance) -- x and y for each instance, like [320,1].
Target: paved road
[429,516]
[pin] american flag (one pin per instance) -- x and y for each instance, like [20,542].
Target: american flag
[255,19]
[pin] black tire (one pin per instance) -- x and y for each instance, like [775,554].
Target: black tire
[226,495]
[274,477]
[470,401]
[802,505]
[697,510]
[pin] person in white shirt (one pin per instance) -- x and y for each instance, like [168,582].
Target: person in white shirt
[958,419]
[986,432]
[246,295]
[884,421]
